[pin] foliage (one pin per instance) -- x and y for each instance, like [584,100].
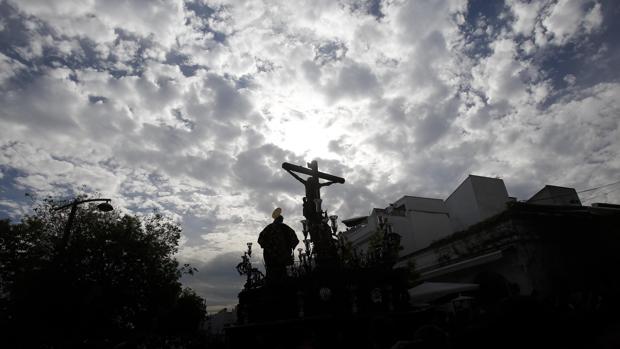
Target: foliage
[188,314]
[375,243]
[347,251]
[384,247]
[114,281]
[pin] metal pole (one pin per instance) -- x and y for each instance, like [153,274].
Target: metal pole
[67,234]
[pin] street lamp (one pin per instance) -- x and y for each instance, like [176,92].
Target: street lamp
[104,207]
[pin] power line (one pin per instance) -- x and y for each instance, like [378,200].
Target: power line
[599,187]
[597,195]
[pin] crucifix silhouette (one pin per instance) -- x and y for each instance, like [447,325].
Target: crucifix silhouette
[319,231]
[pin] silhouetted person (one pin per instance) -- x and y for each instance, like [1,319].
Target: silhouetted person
[277,240]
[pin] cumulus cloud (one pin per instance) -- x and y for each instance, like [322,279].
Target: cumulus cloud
[555,22]
[567,19]
[526,15]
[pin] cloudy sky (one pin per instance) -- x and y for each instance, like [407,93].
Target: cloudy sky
[190,107]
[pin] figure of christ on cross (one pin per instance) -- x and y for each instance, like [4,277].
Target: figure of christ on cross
[320,233]
[312,208]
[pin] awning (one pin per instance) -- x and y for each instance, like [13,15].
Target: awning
[428,291]
[468,263]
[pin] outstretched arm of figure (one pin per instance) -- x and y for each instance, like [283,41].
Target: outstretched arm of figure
[296,177]
[326,184]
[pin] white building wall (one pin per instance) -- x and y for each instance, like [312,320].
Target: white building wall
[491,195]
[403,227]
[427,220]
[475,200]
[463,215]
[554,195]
[428,227]
[360,235]
[419,221]
[421,204]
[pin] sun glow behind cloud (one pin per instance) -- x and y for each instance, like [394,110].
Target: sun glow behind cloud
[300,122]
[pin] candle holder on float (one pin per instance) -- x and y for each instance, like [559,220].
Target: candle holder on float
[254,277]
[387,252]
[308,248]
[339,237]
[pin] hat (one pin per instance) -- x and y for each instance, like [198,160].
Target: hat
[276,213]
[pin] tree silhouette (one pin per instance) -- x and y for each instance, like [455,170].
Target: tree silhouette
[116,281]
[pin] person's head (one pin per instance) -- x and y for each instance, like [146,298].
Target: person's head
[277,215]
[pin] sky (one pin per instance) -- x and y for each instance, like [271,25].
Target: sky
[189,108]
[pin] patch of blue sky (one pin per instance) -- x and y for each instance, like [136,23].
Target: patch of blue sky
[585,61]
[13,193]
[204,11]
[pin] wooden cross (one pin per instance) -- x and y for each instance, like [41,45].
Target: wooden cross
[320,233]
[312,184]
